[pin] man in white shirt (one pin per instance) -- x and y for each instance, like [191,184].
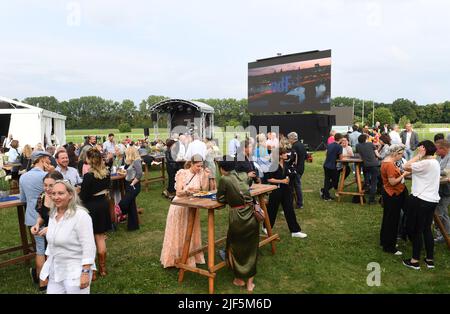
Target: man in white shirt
[69,173]
[233,145]
[273,141]
[7,143]
[109,145]
[394,135]
[196,147]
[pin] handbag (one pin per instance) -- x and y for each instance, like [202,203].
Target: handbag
[258,212]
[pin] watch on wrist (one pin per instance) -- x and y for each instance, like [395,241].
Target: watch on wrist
[86,270]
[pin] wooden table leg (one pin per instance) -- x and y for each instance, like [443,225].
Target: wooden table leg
[193,212]
[23,231]
[441,227]
[341,182]
[262,203]
[359,183]
[211,248]
[163,171]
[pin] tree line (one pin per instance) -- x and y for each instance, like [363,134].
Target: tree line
[96,112]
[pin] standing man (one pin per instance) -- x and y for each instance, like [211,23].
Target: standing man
[371,165]
[31,186]
[395,137]
[69,173]
[7,143]
[298,159]
[410,139]
[109,145]
[196,147]
[443,157]
[233,145]
[353,137]
[331,174]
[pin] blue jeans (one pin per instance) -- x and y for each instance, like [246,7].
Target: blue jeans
[371,179]
[408,154]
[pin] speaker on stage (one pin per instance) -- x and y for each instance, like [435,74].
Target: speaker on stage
[154,117]
[323,122]
[146,132]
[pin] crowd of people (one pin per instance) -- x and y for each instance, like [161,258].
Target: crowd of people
[67,194]
[389,157]
[67,191]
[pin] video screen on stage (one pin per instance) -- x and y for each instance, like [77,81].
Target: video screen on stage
[291,83]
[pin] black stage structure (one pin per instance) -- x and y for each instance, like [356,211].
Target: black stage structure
[185,116]
[312,129]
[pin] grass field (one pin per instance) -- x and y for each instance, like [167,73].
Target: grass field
[342,240]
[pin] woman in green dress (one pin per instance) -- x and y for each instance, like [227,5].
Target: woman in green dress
[243,231]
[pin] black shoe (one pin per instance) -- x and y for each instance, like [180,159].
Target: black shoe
[407,263]
[430,264]
[33,275]
[321,193]
[43,289]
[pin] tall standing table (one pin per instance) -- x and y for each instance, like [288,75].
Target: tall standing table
[195,204]
[358,181]
[26,247]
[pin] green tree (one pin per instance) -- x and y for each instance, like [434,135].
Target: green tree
[404,107]
[383,115]
[403,121]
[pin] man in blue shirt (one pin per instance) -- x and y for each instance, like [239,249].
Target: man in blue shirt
[331,179]
[69,173]
[31,186]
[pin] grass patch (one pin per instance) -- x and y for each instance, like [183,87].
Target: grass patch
[342,239]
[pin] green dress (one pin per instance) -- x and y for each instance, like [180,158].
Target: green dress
[243,231]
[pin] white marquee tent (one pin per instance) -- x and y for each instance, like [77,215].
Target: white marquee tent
[29,124]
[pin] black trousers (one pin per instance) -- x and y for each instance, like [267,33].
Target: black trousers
[391,217]
[331,180]
[172,168]
[128,205]
[370,180]
[418,221]
[284,197]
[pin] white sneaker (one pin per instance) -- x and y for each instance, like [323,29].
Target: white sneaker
[299,235]
[264,230]
[398,253]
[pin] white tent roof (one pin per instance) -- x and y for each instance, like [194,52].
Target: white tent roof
[12,106]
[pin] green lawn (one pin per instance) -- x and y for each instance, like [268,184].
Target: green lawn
[342,239]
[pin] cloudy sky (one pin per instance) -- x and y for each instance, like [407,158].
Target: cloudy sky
[381,50]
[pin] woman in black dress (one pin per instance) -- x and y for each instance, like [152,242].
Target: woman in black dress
[94,190]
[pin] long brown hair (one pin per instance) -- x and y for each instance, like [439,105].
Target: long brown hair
[95,160]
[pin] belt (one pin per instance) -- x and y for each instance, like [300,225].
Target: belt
[242,206]
[103,192]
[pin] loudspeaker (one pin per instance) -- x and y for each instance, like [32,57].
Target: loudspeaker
[154,117]
[331,120]
[146,132]
[322,123]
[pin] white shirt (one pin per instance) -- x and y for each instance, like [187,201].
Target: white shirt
[109,147]
[71,174]
[7,142]
[408,140]
[395,137]
[233,147]
[425,180]
[71,245]
[196,147]
[273,143]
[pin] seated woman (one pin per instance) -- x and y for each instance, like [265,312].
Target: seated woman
[243,231]
[25,158]
[188,181]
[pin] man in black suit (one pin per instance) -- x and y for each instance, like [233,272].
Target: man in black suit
[298,157]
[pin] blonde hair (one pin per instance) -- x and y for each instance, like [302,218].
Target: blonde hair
[95,160]
[131,154]
[27,151]
[74,203]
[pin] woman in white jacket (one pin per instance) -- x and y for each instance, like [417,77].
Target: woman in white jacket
[71,246]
